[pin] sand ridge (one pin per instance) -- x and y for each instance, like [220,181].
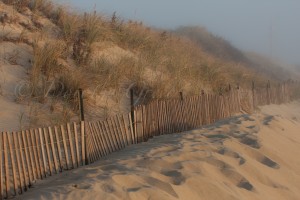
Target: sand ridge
[244,157]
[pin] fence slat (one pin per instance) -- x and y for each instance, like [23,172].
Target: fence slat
[96,142]
[71,145]
[31,155]
[59,150]
[76,144]
[7,177]
[53,150]
[20,172]
[35,153]
[110,138]
[12,160]
[39,148]
[106,138]
[22,157]
[27,163]
[65,148]
[91,146]
[83,146]
[115,133]
[119,131]
[48,156]
[101,138]
[131,128]
[122,129]
[42,143]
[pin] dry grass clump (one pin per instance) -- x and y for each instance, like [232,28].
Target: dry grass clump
[81,32]
[46,58]
[46,63]
[111,74]
[88,33]
[69,24]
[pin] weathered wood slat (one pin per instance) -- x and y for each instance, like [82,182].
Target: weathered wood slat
[27,163]
[105,150]
[125,127]
[18,158]
[56,167]
[31,155]
[12,160]
[43,156]
[97,143]
[22,159]
[115,132]
[36,154]
[6,167]
[83,146]
[110,137]
[88,144]
[92,144]
[105,138]
[121,131]
[59,150]
[76,144]
[131,128]
[71,145]
[135,127]
[48,156]
[65,148]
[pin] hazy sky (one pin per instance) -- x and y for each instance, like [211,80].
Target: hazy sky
[271,27]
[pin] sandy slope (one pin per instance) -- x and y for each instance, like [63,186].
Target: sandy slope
[245,157]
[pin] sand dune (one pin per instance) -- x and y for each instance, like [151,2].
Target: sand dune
[245,157]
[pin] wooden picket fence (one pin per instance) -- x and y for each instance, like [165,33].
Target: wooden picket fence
[28,156]
[31,155]
[160,117]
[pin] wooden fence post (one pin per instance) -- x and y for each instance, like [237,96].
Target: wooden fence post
[81,104]
[82,129]
[132,109]
[181,96]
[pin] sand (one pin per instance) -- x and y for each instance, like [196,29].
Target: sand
[245,157]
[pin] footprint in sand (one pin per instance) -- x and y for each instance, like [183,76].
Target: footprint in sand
[262,158]
[229,172]
[176,178]
[250,140]
[227,152]
[267,120]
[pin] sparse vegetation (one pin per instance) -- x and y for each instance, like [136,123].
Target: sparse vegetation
[102,55]
[45,65]
[89,32]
